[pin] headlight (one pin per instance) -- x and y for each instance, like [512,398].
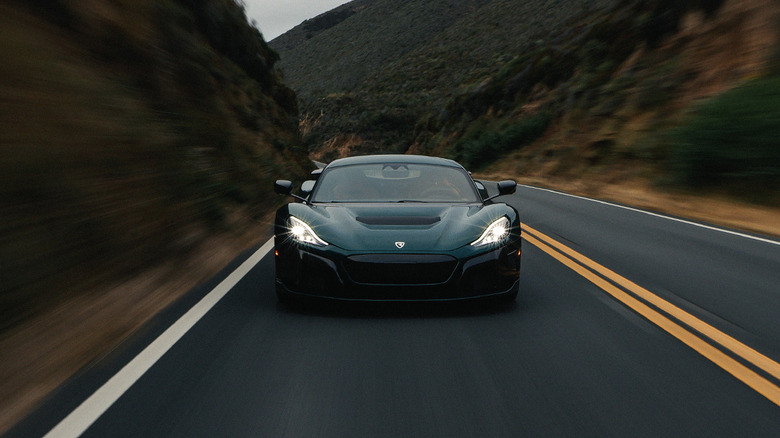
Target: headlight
[494,233]
[300,231]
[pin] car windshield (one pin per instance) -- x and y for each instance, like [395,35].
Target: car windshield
[395,182]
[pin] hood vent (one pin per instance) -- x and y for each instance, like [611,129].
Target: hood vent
[398,220]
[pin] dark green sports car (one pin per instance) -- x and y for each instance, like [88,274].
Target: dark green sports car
[396,228]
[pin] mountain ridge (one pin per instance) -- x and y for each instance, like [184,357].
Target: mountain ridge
[562,89]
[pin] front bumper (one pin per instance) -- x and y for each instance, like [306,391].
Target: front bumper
[334,273]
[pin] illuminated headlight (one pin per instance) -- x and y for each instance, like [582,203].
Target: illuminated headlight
[300,231]
[494,233]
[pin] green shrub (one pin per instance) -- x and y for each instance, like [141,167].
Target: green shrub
[732,141]
[483,143]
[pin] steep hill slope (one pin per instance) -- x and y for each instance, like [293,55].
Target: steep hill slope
[379,70]
[139,143]
[125,125]
[342,48]
[553,89]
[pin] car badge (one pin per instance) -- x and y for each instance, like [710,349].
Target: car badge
[400,245]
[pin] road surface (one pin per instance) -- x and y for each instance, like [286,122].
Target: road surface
[627,324]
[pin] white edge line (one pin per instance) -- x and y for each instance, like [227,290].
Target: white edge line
[722,230]
[78,421]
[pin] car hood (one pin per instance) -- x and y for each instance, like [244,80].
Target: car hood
[381,227]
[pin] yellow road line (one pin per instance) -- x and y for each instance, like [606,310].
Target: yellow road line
[726,362]
[742,350]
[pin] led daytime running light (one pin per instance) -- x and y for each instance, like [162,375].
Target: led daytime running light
[494,233]
[300,231]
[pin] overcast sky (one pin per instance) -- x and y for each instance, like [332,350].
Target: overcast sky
[275,17]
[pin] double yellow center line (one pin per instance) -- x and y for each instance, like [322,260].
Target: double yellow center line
[702,337]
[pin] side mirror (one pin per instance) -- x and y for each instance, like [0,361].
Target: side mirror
[506,187]
[283,187]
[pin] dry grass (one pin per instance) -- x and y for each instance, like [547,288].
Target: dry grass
[713,209]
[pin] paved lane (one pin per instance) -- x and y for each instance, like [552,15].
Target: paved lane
[566,360]
[729,281]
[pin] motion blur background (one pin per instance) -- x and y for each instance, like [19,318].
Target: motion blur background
[140,138]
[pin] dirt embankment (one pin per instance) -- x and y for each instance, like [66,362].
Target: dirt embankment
[139,140]
[721,211]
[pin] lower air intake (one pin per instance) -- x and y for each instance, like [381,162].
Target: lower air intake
[400,269]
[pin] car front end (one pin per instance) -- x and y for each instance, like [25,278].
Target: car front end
[396,228]
[307,265]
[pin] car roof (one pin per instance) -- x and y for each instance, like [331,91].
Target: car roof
[394,158]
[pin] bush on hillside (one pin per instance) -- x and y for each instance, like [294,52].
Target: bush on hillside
[731,141]
[482,144]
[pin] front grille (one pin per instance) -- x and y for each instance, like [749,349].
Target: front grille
[400,269]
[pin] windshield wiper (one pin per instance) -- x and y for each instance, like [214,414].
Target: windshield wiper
[411,200]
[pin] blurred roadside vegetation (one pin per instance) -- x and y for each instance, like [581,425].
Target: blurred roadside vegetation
[733,141]
[131,131]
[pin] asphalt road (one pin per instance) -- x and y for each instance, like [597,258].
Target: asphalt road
[627,324]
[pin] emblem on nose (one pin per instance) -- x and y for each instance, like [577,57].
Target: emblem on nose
[400,245]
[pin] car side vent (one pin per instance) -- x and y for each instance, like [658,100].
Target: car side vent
[398,220]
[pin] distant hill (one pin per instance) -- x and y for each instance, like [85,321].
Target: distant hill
[392,61]
[562,88]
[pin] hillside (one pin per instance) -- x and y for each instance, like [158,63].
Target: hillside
[122,142]
[139,144]
[554,92]
[377,72]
